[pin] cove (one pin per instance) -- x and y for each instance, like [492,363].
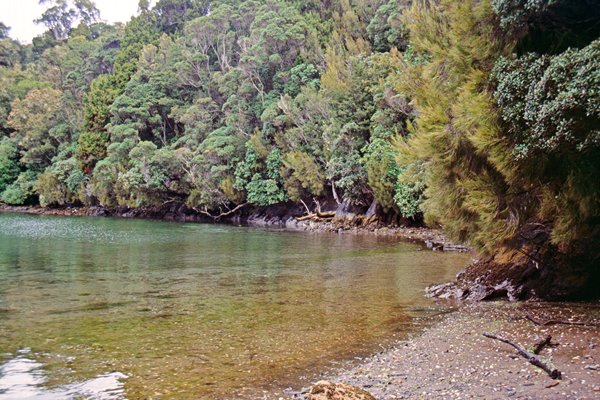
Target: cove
[197,311]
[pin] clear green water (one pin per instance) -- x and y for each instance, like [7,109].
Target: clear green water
[192,311]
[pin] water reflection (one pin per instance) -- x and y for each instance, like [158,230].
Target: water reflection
[22,378]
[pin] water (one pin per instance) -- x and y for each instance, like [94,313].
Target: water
[103,308]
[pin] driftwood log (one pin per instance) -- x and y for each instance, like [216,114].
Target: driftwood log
[531,357]
[561,322]
[541,344]
[317,216]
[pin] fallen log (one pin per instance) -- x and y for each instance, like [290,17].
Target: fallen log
[318,216]
[306,217]
[531,357]
[326,214]
[562,322]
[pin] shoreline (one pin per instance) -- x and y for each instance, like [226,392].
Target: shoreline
[451,359]
[430,238]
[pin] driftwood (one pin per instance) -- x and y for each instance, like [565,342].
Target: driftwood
[317,216]
[321,217]
[541,344]
[326,214]
[531,357]
[561,322]
[222,214]
[307,217]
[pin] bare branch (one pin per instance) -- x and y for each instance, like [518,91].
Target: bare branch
[531,357]
[222,214]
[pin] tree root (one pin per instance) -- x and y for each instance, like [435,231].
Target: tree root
[531,357]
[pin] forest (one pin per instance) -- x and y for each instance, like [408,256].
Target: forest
[478,116]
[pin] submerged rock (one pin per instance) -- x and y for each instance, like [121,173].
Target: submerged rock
[325,390]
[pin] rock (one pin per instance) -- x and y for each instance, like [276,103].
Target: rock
[325,390]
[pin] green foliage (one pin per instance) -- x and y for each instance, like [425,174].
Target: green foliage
[4,30]
[9,167]
[409,190]
[549,106]
[258,174]
[21,191]
[40,126]
[386,29]
[302,176]
[301,75]
[456,122]
[61,14]
[171,15]
[14,83]
[382,172]
[146,103]
[11,52]
[106,88]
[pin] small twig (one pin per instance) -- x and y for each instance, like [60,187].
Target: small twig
[561,322]
[532,358]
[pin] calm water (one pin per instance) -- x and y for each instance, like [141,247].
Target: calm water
[104,308]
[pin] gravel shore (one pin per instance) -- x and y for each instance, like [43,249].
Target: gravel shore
[453,360]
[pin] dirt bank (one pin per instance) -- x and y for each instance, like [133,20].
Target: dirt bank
[453,360]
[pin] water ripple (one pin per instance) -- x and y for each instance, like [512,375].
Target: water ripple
[22,378]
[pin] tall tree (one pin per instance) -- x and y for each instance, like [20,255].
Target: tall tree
[60,16]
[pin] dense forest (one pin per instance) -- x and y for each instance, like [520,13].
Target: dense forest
[479,116]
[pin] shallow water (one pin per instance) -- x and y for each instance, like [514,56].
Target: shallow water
[105,308]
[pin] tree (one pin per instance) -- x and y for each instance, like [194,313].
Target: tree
[258,174]
[4,30]
[22,190]
[106,88]
[149,97]
[61,14]
[40,127]
[549,108]
[302,176]
[455,122]
[171,15]
[9,166]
